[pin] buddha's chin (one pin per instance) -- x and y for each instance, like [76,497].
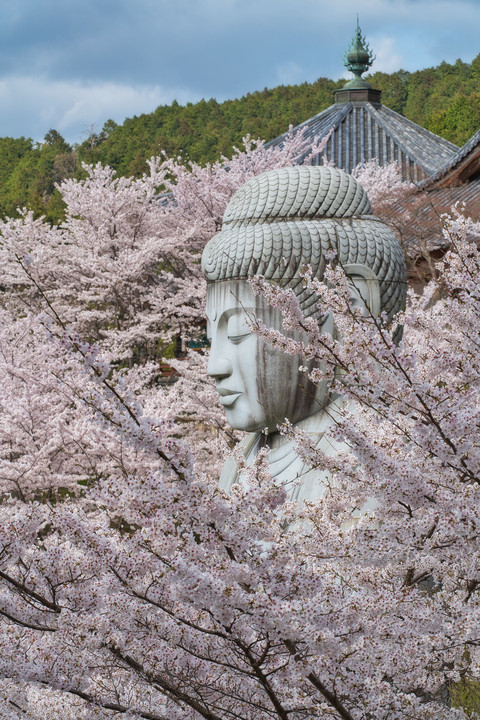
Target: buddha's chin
[241,423]
[242,417]
[252,421]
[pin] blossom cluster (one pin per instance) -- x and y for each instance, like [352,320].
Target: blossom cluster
[131,585]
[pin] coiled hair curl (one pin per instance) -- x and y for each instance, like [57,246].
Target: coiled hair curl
[284,220]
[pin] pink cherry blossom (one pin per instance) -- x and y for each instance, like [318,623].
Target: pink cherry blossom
[130,584]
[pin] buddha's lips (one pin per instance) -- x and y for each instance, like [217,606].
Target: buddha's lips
[227,396]
[226,391]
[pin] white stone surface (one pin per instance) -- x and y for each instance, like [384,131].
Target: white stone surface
[275,225]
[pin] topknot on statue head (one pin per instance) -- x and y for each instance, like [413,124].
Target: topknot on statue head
[286,219]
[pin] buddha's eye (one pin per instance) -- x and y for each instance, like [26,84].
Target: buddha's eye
[237,327]
[236,339]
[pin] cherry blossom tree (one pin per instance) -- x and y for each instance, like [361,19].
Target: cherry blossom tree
[142,590]
[413,214]
[123,273]
[123,269]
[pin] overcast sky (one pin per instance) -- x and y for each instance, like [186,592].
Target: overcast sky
[72,64]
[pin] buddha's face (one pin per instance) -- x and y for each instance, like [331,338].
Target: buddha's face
[259,385]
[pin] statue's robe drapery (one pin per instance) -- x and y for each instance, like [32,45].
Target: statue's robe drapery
[302,481]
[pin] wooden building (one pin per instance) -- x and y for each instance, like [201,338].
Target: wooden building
[362,129]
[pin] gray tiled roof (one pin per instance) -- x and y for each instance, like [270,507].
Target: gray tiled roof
[468,194]
[427,216]
[363,131]
[458,157]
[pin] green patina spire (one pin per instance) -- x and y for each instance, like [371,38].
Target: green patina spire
[358,58]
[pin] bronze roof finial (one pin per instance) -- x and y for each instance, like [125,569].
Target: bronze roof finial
[358,58]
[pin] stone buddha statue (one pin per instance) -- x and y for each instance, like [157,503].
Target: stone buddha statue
[276,225]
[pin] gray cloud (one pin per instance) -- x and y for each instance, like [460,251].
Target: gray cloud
[68,52]
[30,106]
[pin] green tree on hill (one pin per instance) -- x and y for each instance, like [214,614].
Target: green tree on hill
[444,99]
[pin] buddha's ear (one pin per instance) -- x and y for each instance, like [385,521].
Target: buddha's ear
[365,287]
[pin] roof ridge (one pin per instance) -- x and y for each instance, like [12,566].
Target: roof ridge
[378,117]
[412,123]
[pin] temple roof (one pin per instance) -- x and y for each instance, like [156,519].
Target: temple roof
[461,168]
[363,129]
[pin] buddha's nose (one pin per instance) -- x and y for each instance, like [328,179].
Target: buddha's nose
[218,366]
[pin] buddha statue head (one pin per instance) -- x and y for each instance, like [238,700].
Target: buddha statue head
[276,225]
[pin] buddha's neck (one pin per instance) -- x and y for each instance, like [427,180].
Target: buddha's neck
[314,425]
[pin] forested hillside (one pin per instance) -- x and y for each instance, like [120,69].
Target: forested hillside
[444,99]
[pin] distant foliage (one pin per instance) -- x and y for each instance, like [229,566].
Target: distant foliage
[443,99]
[29,172]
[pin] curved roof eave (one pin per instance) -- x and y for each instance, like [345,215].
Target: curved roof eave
[462,153]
